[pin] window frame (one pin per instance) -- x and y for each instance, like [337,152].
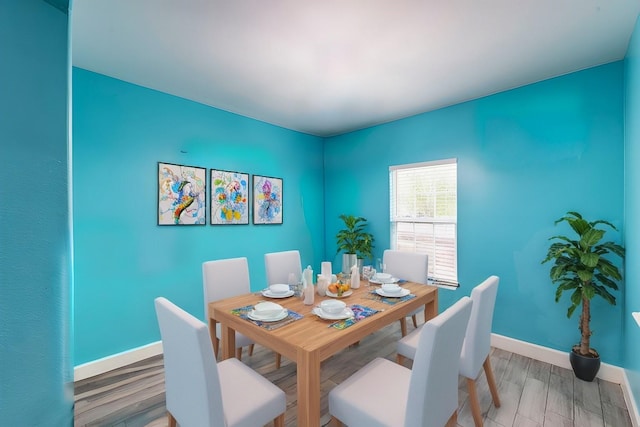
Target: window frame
[435,275]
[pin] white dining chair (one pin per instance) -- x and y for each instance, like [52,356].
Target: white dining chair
[222,279]
[409,266]
[477,345]
[200,392]
[278,265]
[383,393]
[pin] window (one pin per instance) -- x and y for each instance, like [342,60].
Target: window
[424,214]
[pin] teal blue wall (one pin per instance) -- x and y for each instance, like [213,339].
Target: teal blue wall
[123,260]
[36,377]
[632,212]
[525,157]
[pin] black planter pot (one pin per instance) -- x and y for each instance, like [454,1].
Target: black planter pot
[585,367]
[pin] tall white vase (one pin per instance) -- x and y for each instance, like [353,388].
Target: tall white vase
[348,261]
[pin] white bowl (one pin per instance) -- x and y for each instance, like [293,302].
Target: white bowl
[332,306]
[391,288]
[266,309]
[279,288]
[383,277]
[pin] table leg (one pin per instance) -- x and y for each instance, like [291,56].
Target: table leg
[431,309]
[228,337]
[308,389]
[214,337]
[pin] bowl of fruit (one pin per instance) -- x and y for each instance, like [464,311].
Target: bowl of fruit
[339,290]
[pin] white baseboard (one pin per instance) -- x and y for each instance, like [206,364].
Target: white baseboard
[555,357]
[115,361]
[607,372]
[634,413]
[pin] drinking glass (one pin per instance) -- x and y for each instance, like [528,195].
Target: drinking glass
[367,273]
[294,284]
[380,266]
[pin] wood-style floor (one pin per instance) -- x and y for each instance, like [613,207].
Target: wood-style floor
[533,393]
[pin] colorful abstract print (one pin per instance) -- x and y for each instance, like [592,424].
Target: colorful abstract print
[268,200]
[182,195]
[229,197]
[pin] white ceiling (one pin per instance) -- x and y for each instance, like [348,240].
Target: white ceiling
[327,67]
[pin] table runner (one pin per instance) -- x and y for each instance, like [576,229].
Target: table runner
[243,312]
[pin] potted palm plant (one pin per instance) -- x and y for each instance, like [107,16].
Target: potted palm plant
[580,266]
[354,241]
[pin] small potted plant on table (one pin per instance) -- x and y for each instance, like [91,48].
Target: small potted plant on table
[580,266]
[354,241]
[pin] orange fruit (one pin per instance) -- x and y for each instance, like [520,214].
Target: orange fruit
[333,288]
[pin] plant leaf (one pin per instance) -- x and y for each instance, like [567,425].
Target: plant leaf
[585,275]
[589,259]
[606,281]
[580,226]
[604,293]
[591,237]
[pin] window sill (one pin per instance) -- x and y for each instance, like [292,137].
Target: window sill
[636,316]
[452,286]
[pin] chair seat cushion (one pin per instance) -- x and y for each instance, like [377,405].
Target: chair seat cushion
[408,345]
[238,382]
[376,395]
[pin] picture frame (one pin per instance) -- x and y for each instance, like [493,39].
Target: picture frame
[229,197]
[182,194]
[268,197]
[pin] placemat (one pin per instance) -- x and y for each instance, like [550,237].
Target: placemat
[243,312]
[359,311]
[388,300]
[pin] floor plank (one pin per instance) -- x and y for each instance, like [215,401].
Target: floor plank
[560,397]
[533,401]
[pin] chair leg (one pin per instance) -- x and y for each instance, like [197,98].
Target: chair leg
[279,421]
[415,321]
[239,353]
[403,326]
[278,360]
[492,382]
[251,349]
[453,420]
[475,403]
[172,421]
[336,422]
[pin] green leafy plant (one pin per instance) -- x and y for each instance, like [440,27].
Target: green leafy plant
[580,266]
[353,239]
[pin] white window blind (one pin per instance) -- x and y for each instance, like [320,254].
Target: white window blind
[424,214]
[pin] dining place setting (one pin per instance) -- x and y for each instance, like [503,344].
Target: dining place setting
[267,314]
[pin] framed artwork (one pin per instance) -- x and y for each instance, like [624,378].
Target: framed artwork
[267,200]
[182,195]
[229,197]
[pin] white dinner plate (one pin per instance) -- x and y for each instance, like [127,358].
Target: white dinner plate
[254,316]
[400,294]
[379,282]
[344,294]
[346,313]
[267,293]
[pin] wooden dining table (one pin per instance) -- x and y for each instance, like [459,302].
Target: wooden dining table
[310,340]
